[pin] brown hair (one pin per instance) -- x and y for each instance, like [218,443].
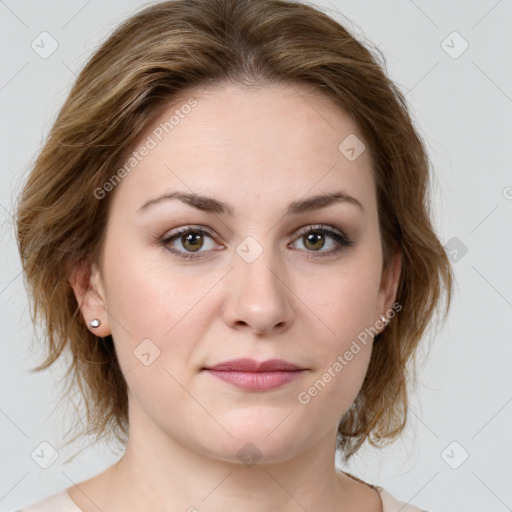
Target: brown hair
[160,53]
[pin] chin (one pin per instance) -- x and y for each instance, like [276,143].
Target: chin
[255,444]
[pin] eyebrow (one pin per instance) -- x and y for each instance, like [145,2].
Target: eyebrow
[211,205]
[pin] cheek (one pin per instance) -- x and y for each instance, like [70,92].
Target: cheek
[139,305]
[148,308]
[155,308]
[145,296]
[343,309]
[344,300]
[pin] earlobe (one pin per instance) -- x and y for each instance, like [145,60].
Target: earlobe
[87,287]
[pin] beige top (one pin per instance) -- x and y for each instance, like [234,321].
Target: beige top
[62,502]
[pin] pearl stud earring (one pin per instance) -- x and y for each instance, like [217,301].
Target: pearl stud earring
[95,323]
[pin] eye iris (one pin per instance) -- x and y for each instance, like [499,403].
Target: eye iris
[315,237]
[192,238]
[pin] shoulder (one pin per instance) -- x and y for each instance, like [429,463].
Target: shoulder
[60,502]
[391,504]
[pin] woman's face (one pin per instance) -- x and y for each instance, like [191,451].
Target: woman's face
[256,278]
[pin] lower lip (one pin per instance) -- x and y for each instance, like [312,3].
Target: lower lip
[256,381]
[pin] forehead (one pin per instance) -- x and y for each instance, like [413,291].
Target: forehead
[254,141]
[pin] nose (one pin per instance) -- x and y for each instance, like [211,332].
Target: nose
[257,296]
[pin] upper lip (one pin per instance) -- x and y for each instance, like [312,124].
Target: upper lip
[251,365]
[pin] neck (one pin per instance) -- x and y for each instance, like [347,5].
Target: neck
[157,469]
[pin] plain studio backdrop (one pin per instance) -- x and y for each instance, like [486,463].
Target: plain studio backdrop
[452,60]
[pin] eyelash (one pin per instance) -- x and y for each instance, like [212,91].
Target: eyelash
[342,240]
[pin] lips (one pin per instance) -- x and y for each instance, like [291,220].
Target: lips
[252,375]
[250,365]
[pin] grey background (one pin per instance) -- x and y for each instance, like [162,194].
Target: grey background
[463,107]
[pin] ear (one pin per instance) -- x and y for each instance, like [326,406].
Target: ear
[389,283]
[88,288]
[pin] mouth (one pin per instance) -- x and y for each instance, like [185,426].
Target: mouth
[252,375]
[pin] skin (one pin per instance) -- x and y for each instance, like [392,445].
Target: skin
[259,149]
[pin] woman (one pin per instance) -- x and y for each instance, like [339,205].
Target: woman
[228,229]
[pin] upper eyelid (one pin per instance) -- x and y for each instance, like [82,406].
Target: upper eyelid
[208,231]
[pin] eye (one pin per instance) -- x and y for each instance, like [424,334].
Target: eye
[190,238]
[314,240]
